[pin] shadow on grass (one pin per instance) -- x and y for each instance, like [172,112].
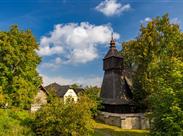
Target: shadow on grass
[112,132]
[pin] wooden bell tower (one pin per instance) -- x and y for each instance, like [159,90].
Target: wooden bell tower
[115,92]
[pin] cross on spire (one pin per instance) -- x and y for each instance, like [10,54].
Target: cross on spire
[112,43]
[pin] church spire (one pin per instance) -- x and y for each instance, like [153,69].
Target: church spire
[112,43]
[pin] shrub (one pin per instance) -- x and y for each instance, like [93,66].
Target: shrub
[64,119]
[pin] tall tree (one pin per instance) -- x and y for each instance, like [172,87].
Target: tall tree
[19,79]
[156,57]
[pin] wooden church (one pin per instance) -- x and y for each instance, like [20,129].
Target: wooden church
[115,91]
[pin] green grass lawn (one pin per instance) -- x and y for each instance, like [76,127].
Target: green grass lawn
[106,130]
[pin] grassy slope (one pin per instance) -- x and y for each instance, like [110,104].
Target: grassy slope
[106,130]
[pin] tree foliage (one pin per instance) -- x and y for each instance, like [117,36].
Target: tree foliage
[156,57]
[64,119]
[19,79]
[93,93]
[75,85]
[15,122]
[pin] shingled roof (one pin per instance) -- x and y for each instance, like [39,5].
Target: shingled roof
[112,53]
[43,89]
[61,90]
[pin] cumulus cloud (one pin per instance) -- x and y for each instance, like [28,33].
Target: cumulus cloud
[75,43]
[53,64]
[112,7]
[48,50]
[91,80]
[146,20]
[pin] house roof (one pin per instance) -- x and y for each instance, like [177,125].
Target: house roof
[78,90]
[61,90]
[42,88]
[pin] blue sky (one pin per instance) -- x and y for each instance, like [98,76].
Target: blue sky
[73,35]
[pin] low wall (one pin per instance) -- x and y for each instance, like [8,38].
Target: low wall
[125,121]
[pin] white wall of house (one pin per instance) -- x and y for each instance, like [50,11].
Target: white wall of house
[40,99]
[70,94]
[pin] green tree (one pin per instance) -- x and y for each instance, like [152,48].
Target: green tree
[93,93]
[156,58]
[19,79]
[15,122]
[75,85]
[64,119]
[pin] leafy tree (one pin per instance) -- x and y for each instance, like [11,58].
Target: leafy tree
[156,58]
[15,122]
[75,85]
[93,93]
[2,99]
[19,79]
[64,119]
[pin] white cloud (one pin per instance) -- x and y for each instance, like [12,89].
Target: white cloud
[48,80]
[172,21]
[58,60]
[75,43]
[91,80]
[146,20]
[52,65]
[112,7]
[175,21]
[48,50]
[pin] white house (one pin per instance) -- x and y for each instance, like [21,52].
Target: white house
[65,91]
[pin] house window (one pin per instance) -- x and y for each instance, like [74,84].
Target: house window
[69,99]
